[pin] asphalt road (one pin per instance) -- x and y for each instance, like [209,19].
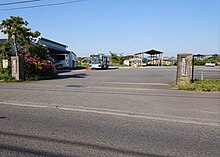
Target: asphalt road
[117,113]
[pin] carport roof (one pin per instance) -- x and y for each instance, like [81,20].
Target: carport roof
[54,50]
[150,52]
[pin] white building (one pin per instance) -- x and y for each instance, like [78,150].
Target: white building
[63,57]
[126,62]
[3,36]
[66,58]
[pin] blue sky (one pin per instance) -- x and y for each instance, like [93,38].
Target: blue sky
[127,26]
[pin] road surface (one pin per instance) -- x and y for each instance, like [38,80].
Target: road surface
[113,113]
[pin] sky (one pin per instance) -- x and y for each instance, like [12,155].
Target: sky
[126,27]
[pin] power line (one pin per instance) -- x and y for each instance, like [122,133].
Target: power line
[18,2]
[43,5]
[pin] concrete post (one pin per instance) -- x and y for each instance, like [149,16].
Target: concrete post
[184,64]
[17,67]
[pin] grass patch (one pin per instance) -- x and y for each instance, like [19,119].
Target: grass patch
[202,85]
[6,77]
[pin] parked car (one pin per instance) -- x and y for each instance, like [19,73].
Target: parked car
[210,64]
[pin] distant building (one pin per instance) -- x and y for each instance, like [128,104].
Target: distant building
[155,58]
[126,62]
[169,60]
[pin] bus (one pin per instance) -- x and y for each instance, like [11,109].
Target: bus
[61,60]
[98,61]
[65,60]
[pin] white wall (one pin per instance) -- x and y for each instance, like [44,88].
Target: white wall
[3,36]
[73,59]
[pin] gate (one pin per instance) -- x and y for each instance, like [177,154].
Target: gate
[205,67]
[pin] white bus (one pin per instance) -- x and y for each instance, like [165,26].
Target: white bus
[98,61]
[61,60]
[65,60]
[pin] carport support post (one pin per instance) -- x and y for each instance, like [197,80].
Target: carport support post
[193,62]
[17,67]
[184,64]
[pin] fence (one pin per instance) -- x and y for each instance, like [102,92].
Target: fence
[200,71]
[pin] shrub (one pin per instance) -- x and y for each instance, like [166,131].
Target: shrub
[36,68]
[202,85]
[6,76]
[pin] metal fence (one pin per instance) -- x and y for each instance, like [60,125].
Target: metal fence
[204,72]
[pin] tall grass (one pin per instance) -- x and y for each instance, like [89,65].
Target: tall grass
[202,85]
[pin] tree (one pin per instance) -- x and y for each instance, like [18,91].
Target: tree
[37,50]
[118,59]
[18,33]
[5,50]
[114,59]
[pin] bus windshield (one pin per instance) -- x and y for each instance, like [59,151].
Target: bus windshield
[95,59]
[58,57]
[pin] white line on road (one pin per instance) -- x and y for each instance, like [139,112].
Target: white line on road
[115,113]
[120,88]
[204,111]
[139,83]
[141,116]
[195,110]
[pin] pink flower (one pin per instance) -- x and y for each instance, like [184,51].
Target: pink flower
[20,54]
[34,60]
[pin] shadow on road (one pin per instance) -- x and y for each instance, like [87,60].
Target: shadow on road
[20,150]
[80,75]
[111,68]
[73,143]
[63,70]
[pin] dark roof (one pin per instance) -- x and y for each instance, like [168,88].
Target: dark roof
[150,52]
[2,40]
[48,40]
[57,50]
[153,52]
[199,55]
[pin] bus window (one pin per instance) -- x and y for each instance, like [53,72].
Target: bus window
[59,57]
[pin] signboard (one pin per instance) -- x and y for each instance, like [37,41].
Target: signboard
[14,64]
[5,63]
[184,67]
